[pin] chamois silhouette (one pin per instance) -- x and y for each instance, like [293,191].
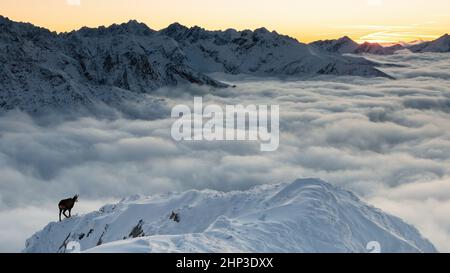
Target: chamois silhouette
[67,205]
[175,216]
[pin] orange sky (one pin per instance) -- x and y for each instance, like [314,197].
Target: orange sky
[307,20]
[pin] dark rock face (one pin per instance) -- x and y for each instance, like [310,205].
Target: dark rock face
[137,230]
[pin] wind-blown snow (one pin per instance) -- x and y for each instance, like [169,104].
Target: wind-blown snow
[308,215]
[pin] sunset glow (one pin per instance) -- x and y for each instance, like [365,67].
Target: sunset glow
[383,21]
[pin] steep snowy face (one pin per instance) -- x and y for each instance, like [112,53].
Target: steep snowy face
[41,69]
[341,46]
[439,45]
[261,52]
[308,215]
[132,57]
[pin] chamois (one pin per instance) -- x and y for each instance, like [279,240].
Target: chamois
[175,216]
[67,205]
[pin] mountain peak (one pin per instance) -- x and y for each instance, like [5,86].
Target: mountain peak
[174,30]
[342,45]
[177,25]
[346,38]
[6,21]
[134,23]
[130,27]
[262,30]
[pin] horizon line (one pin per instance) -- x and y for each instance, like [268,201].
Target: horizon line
[126,21]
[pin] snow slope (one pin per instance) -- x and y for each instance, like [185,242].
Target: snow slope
[308,215]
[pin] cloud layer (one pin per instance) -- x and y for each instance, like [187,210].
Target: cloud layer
[389,141]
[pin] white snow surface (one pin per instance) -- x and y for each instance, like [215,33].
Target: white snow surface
[308,215]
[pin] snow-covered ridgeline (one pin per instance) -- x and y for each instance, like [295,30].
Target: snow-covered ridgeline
[308,215]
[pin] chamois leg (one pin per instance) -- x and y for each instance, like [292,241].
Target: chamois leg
[64,212]
[70,211]
[60,210]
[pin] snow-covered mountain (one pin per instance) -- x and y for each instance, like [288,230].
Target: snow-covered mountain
[441,44]
[308,215]
[262,53]
[347,45]
[342,45]
[82,68]
[42,69]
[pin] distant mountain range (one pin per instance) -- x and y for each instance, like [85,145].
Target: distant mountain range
[41,69]
[345,45]
[440,45]
[262,53]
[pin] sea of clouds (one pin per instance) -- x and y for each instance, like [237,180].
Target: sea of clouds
[386,140]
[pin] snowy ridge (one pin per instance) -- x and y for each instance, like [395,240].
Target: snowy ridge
[308,215]
[346,45]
